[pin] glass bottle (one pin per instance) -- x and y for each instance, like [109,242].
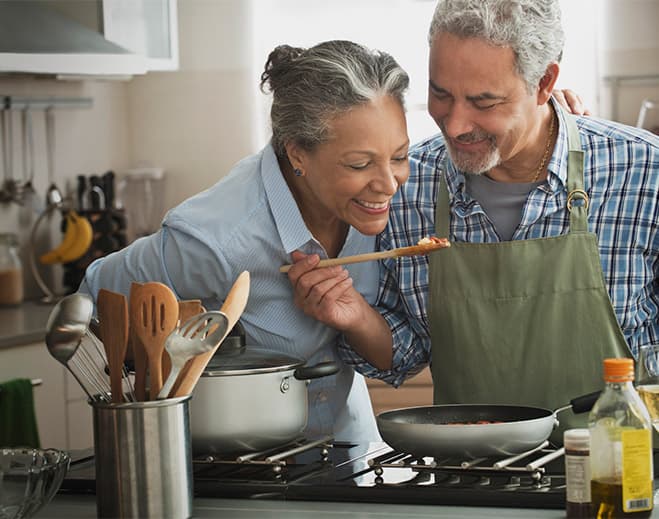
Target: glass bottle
[11,271]
[620,446]
[577,473]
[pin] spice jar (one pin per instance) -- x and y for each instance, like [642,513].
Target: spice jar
[11,271]
[577,473]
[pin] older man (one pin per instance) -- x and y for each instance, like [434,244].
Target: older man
[553,220]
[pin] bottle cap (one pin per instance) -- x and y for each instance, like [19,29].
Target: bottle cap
[618,370]
[577,439]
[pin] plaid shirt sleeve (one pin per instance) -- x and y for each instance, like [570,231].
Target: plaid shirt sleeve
[404,281]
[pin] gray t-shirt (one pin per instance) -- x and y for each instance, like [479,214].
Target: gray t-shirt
[502,202]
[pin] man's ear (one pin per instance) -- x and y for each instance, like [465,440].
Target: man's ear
[547,83]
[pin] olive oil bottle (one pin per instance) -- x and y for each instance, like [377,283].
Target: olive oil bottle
[621,447]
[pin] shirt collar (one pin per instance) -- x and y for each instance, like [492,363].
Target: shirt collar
[292,230]
[556,168]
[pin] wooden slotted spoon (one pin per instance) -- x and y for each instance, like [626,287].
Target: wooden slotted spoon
[113,321]
[153,316]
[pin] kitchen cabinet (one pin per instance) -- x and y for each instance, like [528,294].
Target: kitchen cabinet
[33,361]
[146,27]
[78,38]
[63,415]
[416,391]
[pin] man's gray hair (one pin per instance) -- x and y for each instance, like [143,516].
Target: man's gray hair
[531,28]
[311,86]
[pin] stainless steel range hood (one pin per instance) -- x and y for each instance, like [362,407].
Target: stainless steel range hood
[37,39]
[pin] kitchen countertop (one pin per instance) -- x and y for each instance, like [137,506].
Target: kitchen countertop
[84,506]
[23,324]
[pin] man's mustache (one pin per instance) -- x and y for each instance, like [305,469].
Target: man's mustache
[468,138]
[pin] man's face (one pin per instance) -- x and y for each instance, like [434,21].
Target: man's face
[480,102]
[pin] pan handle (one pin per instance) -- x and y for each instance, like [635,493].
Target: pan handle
[585,403]
[323,369]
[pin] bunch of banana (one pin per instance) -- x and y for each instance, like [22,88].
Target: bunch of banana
[77,239]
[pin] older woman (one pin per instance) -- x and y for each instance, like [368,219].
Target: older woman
[322,186]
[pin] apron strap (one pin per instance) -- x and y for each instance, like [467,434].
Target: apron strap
[578,211]
[442,213]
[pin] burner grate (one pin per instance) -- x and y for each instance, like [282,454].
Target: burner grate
[512,472]
[277,458]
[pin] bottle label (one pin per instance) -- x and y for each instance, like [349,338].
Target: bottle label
[636,470]
[577,478]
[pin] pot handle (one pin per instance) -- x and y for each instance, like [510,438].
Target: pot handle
[322,369]
[584,403]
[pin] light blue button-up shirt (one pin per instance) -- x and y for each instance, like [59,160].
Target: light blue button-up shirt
[250,221]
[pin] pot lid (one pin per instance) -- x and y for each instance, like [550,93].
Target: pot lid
[236,359]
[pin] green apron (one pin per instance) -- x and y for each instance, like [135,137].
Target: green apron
[523,322]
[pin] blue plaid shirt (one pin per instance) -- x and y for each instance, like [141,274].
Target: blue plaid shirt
[621,177]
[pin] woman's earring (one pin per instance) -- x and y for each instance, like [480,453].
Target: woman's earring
[298,172]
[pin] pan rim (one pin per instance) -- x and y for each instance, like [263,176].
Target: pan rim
[544,412]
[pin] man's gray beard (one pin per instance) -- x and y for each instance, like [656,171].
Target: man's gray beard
[472,163]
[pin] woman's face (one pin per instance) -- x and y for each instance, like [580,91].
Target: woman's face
[353,176]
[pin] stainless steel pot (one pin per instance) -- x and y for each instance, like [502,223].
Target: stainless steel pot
[250,399]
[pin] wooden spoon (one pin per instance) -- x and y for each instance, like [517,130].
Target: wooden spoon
[113,321]
[153,315]
[186,309]
[233,307]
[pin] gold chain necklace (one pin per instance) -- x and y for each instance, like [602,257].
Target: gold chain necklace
[545,155]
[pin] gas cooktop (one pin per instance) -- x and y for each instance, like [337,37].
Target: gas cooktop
[324,470]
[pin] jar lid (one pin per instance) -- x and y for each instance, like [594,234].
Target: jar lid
[577,439]
[245,360]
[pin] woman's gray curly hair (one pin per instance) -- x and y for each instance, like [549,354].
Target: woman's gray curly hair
[311,86]
[531,28]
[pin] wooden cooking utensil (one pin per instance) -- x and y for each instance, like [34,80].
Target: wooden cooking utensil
[140,360]
[113,321]
[413,250]
[233,307]
[186,309]
[153,316]
[141,363]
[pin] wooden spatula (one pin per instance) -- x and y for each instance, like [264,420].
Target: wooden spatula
[113,320]
[186,309]
[233,307]
[138,353]
[153,316]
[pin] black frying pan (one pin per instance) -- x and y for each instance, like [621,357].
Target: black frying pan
[454,430]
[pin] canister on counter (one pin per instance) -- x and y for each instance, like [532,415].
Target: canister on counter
[143,459]
[11,271]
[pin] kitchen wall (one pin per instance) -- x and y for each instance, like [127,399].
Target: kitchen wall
[628,43]
[198,121]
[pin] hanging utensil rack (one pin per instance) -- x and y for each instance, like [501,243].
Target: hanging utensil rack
[9,103]
[12,190]
[43,103]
